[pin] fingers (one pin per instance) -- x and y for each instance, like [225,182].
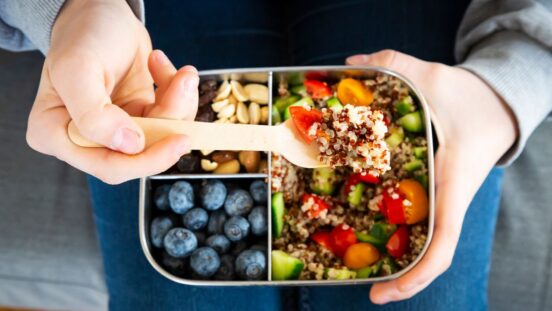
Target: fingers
[80,83]
[161,69]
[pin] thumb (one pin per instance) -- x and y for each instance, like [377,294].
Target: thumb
[81,84]
[411,67]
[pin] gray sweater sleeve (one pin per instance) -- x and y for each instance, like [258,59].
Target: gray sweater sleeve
[27,24]
[508,43]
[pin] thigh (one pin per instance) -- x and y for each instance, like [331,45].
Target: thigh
[218,33]
[463,286]
[133,284]
[332,30]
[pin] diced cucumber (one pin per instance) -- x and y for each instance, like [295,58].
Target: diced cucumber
[423,179]
[339,274]
[420,152]
[355,195]
[334,104]
[295,78]
[300,90]
[278,211]
[285,267]
[405,106]
[396,137]
[413,165]
[368,238]
[301,102]
[412,122]
[276,116]
[364,273]
[323,181]
[378,236]
[283,102]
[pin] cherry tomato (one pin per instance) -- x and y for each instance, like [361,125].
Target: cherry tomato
[351,91]
[393,207]
[417,207]
[398,243]
[360,255]
[322,238]
[316,75]
[303,119]
[318,89]
[318,206]
[341,237]
[357,178]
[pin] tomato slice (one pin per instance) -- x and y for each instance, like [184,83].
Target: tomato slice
[319,205]
[393,208]
[322,238]
[318,89]
[398,243]
[342,236]
[351,91]
[303,120]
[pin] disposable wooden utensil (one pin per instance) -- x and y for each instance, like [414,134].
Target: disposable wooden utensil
[282,138]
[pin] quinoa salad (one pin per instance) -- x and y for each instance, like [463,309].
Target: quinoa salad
[366,214]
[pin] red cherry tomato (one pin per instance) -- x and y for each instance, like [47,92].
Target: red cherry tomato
[322,238]
[315,75]
[342,236]
[398,243]
[303,119]
[357,178]
[318,89]
[318,206]
[393,208]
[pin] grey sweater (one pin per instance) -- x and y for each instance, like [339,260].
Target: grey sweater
[508,43]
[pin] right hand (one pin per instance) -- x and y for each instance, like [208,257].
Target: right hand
[96,73]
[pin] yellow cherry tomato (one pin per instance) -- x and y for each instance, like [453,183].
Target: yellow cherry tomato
[351,91]
[360,255]
[416,208]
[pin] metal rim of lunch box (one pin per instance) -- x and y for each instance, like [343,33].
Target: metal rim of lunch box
[143,222]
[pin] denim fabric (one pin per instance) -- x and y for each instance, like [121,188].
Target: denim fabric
[249,33]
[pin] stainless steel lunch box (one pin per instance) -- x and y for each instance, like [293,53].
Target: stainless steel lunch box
[272,76]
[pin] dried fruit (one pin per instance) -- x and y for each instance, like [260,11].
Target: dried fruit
[250,160]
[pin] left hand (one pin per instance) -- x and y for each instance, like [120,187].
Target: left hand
[475,128]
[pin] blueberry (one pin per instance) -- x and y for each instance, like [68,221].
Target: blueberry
[195,219]
[251,265]
[259,191]
[258,220]
[159,228]
[181,197]
[205,261]
[236,228]
[200,236]
[216,222]
[238,202]
[180,242]
[212,195]
[238,247]
[176,266]
[226,270]
[161,197]
[259,247]
[218,242]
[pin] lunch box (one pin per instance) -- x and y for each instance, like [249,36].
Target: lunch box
[272,76]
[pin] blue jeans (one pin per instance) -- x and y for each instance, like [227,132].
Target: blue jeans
[249,33]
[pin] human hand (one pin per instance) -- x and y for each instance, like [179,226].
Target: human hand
[96,73]
[474,128]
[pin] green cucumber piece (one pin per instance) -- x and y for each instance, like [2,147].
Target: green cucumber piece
[339,274]
[420,152]
[368,238]
[285,267]
[378,236]
[396,137]
[278,211]
[283,102]
[323,181]
[301,102]
[364,273]
[300,90]
[355,195]
[413,165]
[334,103]
[412,122]
[276,117]
[295,78]
[423,179]
[405,106]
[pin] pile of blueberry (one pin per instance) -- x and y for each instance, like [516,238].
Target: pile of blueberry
[207,229]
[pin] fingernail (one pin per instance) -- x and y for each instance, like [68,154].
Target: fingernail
[182,148]
[360,59]
[190,69]
[160,57]
[190,83]
[126,140]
